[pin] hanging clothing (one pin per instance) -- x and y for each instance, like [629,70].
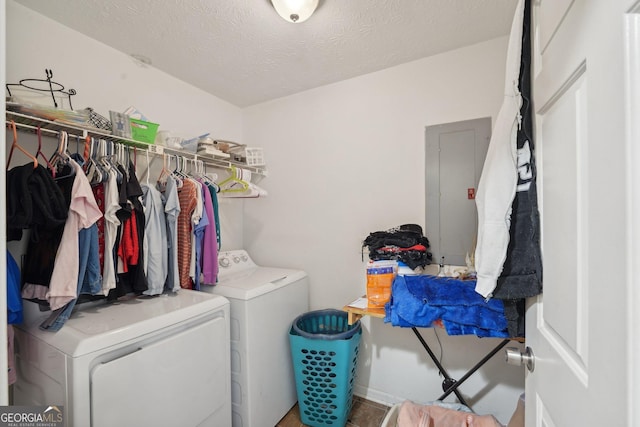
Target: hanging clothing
[172,211]
[34,200]
[198,235]
[187,196]
[498,181]
[216,215]
[138,276]
[131,276]
[83,213]
[98,193]
[89,279]
[128,250]
[42,248]
[111,224]
[521,275]
[209,244]
[155,246]
[196,232]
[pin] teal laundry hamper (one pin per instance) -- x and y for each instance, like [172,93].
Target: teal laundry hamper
[324,350]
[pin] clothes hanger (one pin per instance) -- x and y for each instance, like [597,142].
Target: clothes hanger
[253,192]
[234,183]
[108,160]
[201,172]
[135,156]
[98,171]
[51,168]
[15,144]
[194,168]
[61,154]
[146,152]
[134,164]
[182,168]
[211,178]
[82,161]
[123,159]
[101,151]
[61,157]
[92,169]
[177,172]
[166,173]
[247,189]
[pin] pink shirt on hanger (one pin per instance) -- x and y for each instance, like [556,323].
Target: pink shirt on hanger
[83,213]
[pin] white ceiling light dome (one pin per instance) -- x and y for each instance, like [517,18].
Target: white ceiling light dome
[295,11]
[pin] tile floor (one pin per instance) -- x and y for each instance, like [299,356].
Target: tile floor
[364,413]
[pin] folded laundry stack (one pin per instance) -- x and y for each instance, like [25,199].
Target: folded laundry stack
[405,243]
[209,146]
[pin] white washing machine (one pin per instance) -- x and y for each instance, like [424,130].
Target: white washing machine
[264,303]
[134,363]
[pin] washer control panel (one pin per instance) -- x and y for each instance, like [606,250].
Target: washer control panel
[234,261]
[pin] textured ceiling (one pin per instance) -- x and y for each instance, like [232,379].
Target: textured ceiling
[243,52]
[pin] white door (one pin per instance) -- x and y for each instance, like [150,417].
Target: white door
[581,328]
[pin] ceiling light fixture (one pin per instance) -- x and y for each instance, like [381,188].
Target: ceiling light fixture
[295,11]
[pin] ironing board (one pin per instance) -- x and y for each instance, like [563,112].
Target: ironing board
[358,308]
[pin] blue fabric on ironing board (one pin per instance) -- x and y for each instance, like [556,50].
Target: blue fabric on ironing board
[421,300]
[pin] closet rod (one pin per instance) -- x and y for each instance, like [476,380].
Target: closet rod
[51,131]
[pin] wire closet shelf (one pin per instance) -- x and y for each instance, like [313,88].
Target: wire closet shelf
[30,123]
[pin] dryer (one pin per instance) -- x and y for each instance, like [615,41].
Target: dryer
[133,363]
[264,303]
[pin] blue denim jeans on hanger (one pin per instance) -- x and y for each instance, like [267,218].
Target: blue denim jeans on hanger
[89,278]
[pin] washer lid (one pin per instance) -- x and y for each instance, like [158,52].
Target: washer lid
[254,282]
[99,327]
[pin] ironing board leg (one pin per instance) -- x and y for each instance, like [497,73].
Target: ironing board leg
[455,385]
[447,379]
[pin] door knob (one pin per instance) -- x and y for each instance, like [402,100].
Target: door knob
[516,357]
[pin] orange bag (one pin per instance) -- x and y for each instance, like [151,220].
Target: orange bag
[380,275]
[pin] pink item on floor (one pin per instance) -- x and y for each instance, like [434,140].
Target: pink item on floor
[414,415]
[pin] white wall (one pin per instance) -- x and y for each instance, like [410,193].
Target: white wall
[106,79]
[348,159]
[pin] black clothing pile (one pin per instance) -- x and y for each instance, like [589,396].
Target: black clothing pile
[34,201]
[405,243]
